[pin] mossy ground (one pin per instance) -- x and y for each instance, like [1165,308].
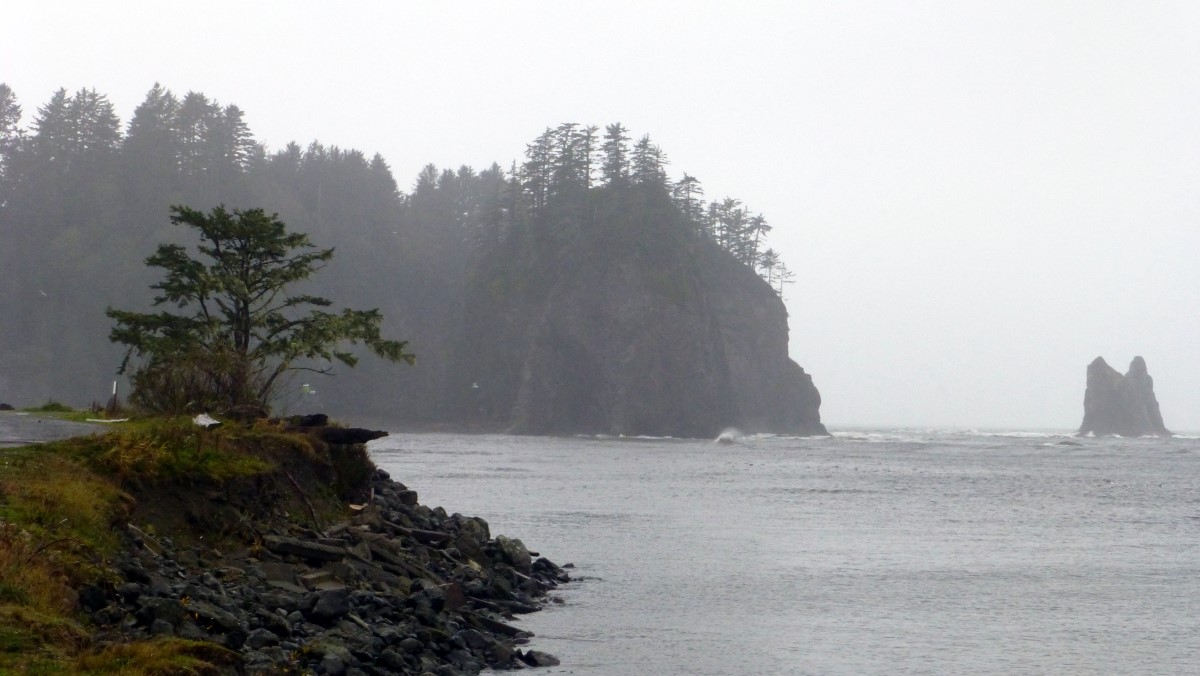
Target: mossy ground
[63,505]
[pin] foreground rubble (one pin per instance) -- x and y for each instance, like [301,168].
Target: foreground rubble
[394,587]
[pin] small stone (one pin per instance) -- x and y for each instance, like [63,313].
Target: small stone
[234,639]
[537,658]
[333,665]
[474,639]
[411,645]
[261,638]
[393,660]
[331,605]
[154,608]
[191,631]
[161,627]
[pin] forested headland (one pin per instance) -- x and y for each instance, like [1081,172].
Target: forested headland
[466,265]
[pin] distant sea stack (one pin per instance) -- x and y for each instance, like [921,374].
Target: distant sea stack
[1118,404]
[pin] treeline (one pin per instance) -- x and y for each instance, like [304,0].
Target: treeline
[566,166]
[84,198]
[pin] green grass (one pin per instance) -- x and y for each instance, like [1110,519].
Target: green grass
[163,449]
[51,406]
[61,504]
[160,656]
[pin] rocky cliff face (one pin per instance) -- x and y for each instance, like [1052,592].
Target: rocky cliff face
[653,334]
[1118,404]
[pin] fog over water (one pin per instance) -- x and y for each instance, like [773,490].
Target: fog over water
[977,198]
[876,551]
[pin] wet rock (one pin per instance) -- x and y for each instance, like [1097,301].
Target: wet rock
[160,627]
[398,588]
[313,551]
[547,567]
[191,631]
[234,639]
[514,553]
[536,658]
[333,665]
[274,622]
[153,609]
[392,660]
[92,598]
[330,605]
[1123,405]
[412,645]
[212,617]
[261,638]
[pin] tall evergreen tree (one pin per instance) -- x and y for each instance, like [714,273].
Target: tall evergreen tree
[10,117]
[768,264]
[615,167]
[10,136]
[195,119]
[239,327]
[687,194]
[537,171]
[648,164]
[52,133]
[150,173]
[755,229]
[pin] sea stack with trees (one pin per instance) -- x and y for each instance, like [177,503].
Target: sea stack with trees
[581,290]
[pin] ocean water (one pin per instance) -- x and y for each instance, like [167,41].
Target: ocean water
[871,552]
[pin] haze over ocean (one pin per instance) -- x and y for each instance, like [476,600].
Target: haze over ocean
[977,198]
[879,551]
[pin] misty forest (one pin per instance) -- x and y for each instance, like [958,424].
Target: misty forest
[576,290]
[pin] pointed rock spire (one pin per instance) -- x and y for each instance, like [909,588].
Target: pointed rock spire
[1123,405]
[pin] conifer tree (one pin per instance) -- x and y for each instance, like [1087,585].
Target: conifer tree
[150,173]
[615,168]
[648,164]
[687,194]
[10,136]
[537,171]
[195,120]
[238,329]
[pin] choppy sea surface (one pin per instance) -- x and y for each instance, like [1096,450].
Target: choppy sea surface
[871,552]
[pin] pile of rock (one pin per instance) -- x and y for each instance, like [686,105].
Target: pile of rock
[397,588]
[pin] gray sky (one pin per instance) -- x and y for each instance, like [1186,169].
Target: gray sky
[977,198]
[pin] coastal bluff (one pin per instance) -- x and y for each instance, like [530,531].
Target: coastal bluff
[630,334]
[268,548]
[1122,405]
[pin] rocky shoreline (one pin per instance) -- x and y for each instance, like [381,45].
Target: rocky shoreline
[395,587]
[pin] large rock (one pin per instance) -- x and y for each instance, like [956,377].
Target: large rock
[1118,404]
[646,332]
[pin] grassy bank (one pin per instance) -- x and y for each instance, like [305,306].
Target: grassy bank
[65,505]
